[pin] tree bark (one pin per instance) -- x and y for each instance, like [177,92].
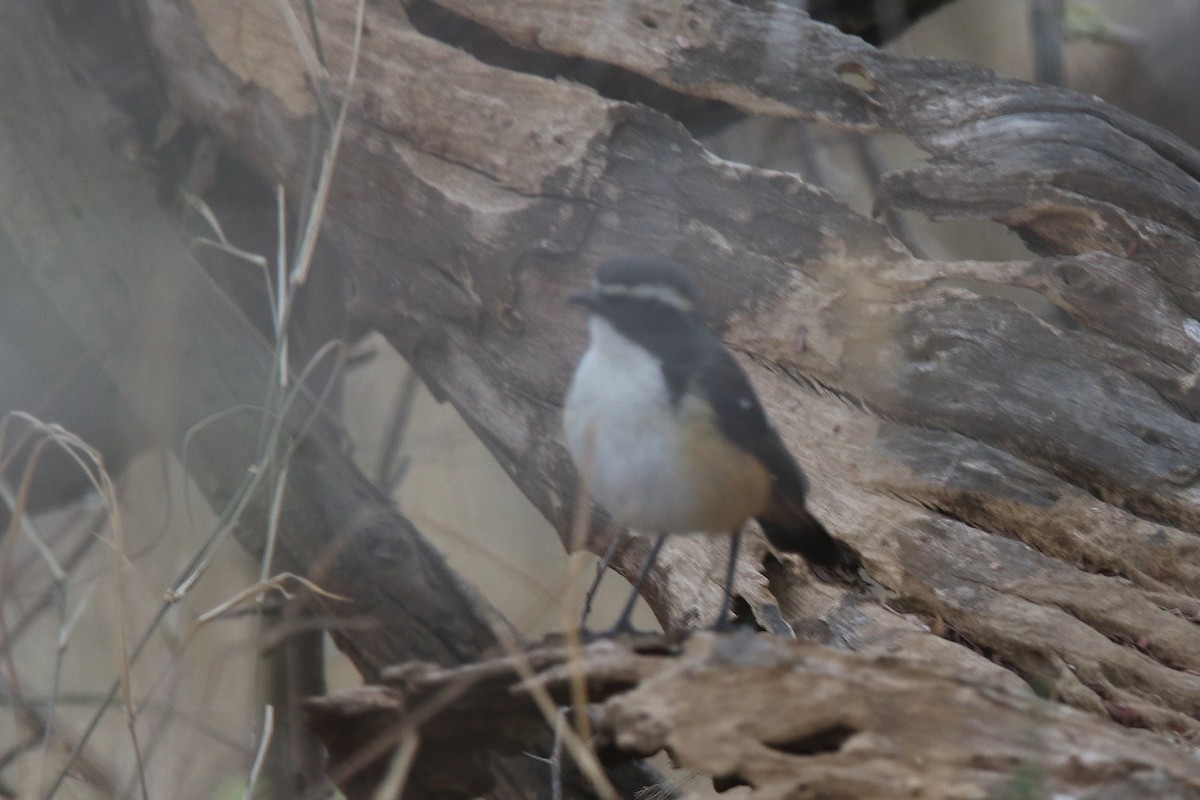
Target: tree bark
[787,719]
[80,225]
[1019,480]
[122,277]
[1021,483]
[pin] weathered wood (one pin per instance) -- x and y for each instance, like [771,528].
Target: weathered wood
[1070,173]
[139,304]
[949,429]
[85,227]
[789,719]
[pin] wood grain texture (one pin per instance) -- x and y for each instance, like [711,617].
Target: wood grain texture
[1020,481]
[1027,483]
[788,719]
[139,304]
[81,224]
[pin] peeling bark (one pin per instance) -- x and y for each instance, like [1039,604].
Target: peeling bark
[1021,481]
[112,284]
[789,719]
[1017,481]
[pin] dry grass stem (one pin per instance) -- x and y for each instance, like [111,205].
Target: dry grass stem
[317,74]
[573,607]
[260,754]
[397,775]
[16,506]
[316,213]
[275,583]
[273,522]
[579,749]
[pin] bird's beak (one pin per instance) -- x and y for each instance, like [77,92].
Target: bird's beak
[587,298]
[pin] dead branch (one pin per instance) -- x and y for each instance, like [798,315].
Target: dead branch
[85,226]
[789,719]
[1023,482]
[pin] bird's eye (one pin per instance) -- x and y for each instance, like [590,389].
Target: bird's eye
[744,404]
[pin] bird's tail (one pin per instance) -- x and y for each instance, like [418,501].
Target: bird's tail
[803,533]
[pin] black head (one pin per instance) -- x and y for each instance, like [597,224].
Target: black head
[642,284]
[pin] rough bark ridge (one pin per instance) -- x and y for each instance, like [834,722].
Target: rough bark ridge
[1026,483]
[789,719]
[114,287]
[1022,482]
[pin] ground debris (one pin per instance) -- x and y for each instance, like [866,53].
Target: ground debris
[787,718]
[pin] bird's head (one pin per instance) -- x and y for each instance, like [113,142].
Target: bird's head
[642,286]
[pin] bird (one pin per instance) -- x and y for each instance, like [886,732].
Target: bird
[667,432]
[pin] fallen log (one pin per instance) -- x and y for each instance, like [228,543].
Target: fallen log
[786,718]
[1017,480]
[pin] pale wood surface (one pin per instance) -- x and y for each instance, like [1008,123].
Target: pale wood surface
[1024,482]
[790,719]
[1020,481]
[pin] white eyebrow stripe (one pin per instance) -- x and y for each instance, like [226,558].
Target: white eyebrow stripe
[667,295]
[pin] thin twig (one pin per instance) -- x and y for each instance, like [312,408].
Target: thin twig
[260,755]
[556,790]
[317,74]
[91,463]
[10,634]
[579,749]
[309,241]
[30,531]
[233,511]
[273,515]
[268,453]
[572,618]
[391,467]
[276,583]
[397,775]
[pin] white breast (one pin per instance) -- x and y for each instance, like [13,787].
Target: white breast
[623,436]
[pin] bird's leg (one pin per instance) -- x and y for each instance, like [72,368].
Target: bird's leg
[623,625]
[613,544]
[727,599]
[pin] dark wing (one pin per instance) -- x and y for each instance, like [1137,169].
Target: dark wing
[740,415]
[787,524]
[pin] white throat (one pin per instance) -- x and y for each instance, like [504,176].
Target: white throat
[621,430]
